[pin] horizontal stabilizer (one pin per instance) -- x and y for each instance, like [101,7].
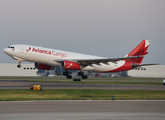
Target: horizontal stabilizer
[136,66]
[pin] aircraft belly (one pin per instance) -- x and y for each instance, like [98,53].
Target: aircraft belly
[19,56]
[31,57]
[54,64]
[105,68]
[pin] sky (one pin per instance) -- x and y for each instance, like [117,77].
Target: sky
[107,28]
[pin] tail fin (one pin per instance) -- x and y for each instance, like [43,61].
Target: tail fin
[139,51]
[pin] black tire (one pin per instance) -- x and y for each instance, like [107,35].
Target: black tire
[84,77]
[18,66]
[69,77]
[80,73]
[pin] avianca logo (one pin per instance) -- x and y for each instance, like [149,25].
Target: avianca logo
[47,52]
[28,49]
[69,66]
[42,51]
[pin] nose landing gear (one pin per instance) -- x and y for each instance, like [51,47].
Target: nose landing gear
[19,64]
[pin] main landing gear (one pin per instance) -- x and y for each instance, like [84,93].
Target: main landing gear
[82,75]
[66,73]
[19,64]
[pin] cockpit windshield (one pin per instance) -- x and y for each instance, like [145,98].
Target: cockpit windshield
[13,49]
[10,47]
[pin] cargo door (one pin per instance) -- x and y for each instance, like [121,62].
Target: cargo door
[22,49]
[23,52]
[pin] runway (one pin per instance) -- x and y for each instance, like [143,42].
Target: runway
[83,110]
[23,85]
[80,109]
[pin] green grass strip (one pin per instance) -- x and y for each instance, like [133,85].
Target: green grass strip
[93,80]
[81,94]
[89,78]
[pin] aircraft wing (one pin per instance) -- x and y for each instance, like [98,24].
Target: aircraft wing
[89,62]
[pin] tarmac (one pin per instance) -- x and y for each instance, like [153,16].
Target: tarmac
[81,109]
[23,85]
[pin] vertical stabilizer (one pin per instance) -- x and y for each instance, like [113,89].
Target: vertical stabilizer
[141,49]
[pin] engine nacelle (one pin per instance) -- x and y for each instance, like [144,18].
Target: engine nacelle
[43,66]
[70,65]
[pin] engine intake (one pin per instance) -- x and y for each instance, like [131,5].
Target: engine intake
[70,65]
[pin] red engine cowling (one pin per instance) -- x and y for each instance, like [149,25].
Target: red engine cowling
[43,66]
[69,65]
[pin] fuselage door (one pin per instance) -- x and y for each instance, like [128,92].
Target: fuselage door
[22,49]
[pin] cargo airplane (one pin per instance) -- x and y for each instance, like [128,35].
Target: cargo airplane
[47,59]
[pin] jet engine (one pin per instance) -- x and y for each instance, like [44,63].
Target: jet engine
[70,65]
[43,66]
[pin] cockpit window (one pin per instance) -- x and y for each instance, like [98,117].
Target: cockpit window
[10,47]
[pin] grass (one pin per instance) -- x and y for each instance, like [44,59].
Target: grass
[81,94]
[92,80]
[85,94]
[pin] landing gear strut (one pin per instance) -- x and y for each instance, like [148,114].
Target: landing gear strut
[82,75]
[19,64]
[66,73]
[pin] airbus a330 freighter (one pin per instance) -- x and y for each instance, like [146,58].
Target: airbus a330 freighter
[47,59]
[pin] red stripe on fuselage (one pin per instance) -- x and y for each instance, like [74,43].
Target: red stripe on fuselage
[125,67]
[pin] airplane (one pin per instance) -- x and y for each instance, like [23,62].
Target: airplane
[48,59]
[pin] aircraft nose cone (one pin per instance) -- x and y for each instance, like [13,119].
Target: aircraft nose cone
[7,51]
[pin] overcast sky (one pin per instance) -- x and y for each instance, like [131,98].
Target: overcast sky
[108,28]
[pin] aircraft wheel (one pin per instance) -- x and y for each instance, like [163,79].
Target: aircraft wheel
[69,77]
[18,66]
[65,73]
[84,77]
[80,73]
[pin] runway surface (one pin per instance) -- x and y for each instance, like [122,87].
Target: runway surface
[22,84]
[80,110]
[83,110]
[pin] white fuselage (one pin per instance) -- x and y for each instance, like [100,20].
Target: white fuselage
[51,56]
